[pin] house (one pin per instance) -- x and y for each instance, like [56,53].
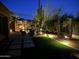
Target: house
[20,24]
[5,16]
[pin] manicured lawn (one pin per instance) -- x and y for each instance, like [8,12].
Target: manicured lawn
[47,48]
[45,42]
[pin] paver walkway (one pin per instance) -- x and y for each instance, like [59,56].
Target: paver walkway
[18,43]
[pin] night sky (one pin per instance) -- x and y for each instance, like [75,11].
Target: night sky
[27,8]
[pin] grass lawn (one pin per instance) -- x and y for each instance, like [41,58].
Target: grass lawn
[47,48]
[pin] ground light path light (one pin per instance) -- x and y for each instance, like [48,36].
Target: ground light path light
[63,41]
[68,43]
[48,35]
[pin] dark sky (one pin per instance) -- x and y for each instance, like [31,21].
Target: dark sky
[27,8]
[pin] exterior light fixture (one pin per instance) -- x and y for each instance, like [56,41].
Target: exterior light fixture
[66,36]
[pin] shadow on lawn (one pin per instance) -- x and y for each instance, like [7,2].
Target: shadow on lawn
[35,53]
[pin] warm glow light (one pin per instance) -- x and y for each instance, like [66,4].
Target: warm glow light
[11,30]
[65,42]
[40,29]
[49,35]
[23,30]
[66,36]
[52,36]
[45,35]
[68,43]
[40,33]
[21,27]
[27,31]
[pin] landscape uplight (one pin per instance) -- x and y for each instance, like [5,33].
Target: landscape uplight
[66,36]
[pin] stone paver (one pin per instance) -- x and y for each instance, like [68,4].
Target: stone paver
[16,46]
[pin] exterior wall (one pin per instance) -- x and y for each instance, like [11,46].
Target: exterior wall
[3,26]
[5,16]
[21,25]
[13,24]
